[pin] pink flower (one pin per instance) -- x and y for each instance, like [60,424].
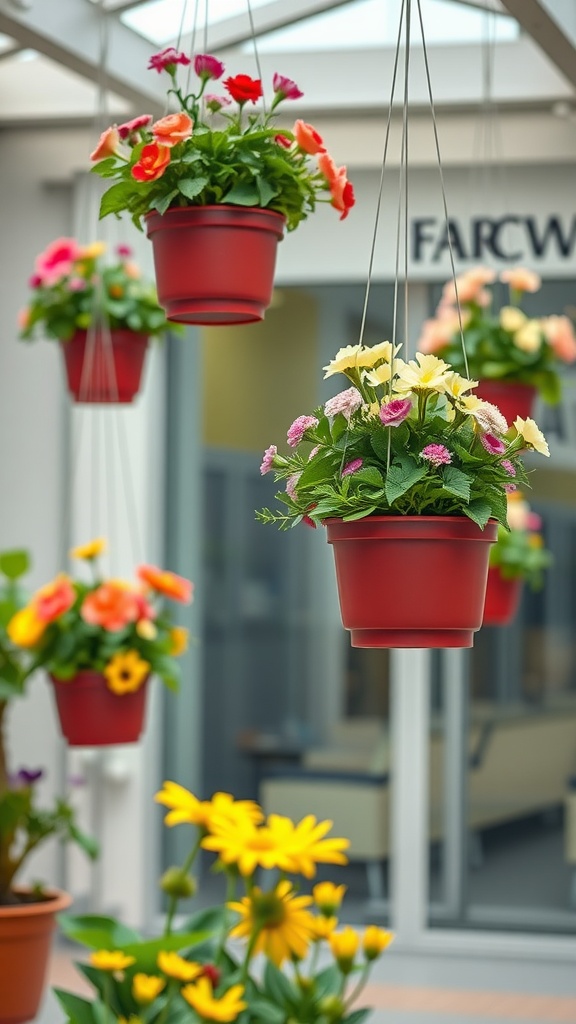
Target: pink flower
[285,88]
[207,67]
[268,460]
[167,60]
[559,332]
[297,430]
[307,138]
[435,335]
[437,454]
[35,281]
[307,520]
[129,128]
[108,144]
[521,280]
[57,260]
[124,252]
[346,402]
[283,140]
[508,466]
[469,290]
[215,103]
[534,521]
[394,413]
[493,444]
[291,486]
[510,488]
[76,284]
[314,452]
[352,467]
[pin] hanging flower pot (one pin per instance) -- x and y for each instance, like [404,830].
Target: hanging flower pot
[215,264]
[92,715]
[104,368]
[502,598]
[411,581]
[25,936]
[513,399]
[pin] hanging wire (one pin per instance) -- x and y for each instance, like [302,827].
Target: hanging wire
[255,48]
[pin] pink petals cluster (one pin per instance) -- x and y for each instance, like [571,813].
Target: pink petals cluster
[268,459]
[346,402]
[298,428]
[352,467]
[56,262]
[436,454]
[394,412]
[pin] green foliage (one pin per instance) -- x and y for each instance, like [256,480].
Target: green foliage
[520,554]
[448,455]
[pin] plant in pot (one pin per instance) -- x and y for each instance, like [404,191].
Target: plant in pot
[27,913]
[100,640]
[268,952]
[102,313]
[518,556]
[512,355]
[216,184]
[409,471]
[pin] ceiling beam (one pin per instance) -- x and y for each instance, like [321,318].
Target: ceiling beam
[538,19]
[69,32]
[272,16]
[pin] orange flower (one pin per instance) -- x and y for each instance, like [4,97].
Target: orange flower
[108,144]
[112,606]
[23,318]
[167,583]
[327,167]
[307,138]
[519,279]
[172,129]
[54,599]
[342,192]
[153,161]
[116,291]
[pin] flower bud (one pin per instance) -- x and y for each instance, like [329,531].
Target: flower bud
[177,883]
[331,1007]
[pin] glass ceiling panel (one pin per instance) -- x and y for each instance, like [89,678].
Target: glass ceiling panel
[365,23]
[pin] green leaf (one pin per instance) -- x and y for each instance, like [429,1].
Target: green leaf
[327,982]
[266,191]
[400,479]
[14,563]
[243,194]
[456,482]
[116,199]
[479,510]
[262,1009]
[163,202]
[79,1010]
[96,931]
[357,1016]
[369,475]
[86,843]
[192,187]
[146,953]
[379,442]
[279,987]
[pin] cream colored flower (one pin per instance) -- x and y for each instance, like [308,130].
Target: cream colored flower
[487,416]
[533,436]
[529,337]
[424,373]
[456,386]
[345,359]
[381,374]
[512,318]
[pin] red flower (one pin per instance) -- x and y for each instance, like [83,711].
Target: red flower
[153,161]
[167,60]
[52,600]
[286,87]
[342,191]
[283,140]
[207,67]
[130,127]
[244,89]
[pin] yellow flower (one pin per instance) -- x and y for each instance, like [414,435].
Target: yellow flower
[146,629]
[185,808]
[344,946]
[91,550]
[381,374]
[92,251]
[177,967]
[455,385]
[111,960]
[345,359]
[145,987]
[529,338]
[375,941]
[424,373]
[201,998]
[304,845]
[512,319]
[126,672]
[328,897]
[245,845]
[532,435]
[323,927]
[285,927]
[25,629]
[178,641]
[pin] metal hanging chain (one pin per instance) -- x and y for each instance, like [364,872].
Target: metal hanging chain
[442,186]
[381,184]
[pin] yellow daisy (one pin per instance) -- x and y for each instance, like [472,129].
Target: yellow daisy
[284,926]
[304,845]
[246,845]
[126,672]
[424,373]
[175,966]
[25,629]
[185,808]
[375,941]
[111,960]
[345,359]
[323,927]
[344,946]
[328,897]
[201,998]
[532,435]
[91,550]
[145,987]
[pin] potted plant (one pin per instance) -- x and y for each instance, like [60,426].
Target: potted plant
[216,185]
[102,314]
[513,356]
[408,470]
[518,556]
[100,640]
[209,968]
[27,913]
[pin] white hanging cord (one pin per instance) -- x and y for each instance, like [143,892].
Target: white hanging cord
[256,54]
[129,491]
[381,185]
[442,186]
[405,114]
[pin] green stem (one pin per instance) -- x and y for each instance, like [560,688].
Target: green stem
[173,901]
[3,755]
[249,952]
[357,988]
[107,999]
[230,894]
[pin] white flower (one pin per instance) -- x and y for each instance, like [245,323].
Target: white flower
[532,435]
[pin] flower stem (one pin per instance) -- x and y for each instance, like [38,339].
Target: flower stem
[357,988]
[173,901]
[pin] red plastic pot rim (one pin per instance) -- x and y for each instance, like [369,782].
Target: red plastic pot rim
[117,335]
[219,215]
[410,528]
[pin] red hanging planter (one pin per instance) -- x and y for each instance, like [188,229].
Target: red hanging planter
[91,715]
[512,399]
[215,264]
[25,938]
[104,369]
[502,598]
[411,581]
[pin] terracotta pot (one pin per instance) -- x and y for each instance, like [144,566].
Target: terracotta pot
[502,598]
[91,715]
[215,264]
[104,368]
[411,581]
[25,937]
[511,398]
